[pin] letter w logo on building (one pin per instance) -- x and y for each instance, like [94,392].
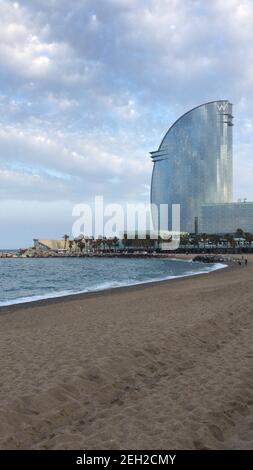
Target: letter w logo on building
[222,107]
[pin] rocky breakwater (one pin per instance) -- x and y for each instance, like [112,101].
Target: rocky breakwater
[209,259]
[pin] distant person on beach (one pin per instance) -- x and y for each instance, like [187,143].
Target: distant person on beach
[246,261]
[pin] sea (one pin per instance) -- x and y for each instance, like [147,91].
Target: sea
[29,279]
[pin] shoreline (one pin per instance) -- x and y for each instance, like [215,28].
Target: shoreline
[176,255]
[4,309]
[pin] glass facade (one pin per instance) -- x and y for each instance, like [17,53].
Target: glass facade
[193,165]
[226,218]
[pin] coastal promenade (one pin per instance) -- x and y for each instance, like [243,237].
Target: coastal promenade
[162,365]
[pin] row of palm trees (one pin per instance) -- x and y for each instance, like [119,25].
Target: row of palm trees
[90,244]
[215,239]
[85,243]
[148,244]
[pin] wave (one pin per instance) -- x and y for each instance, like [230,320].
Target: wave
[109,285]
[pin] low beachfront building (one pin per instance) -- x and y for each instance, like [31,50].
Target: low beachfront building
[146,241]
[55,245]
[226,218]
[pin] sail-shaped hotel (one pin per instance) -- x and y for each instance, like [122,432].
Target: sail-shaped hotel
[194,163]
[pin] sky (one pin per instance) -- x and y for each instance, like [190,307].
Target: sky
[89,87]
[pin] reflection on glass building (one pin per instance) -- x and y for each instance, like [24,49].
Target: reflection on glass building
[193,165]
[226,218]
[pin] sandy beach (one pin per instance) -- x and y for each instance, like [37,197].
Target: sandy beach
[159,366]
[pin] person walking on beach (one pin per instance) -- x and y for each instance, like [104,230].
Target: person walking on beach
[246,261]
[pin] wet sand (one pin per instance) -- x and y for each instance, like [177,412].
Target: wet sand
[165,365]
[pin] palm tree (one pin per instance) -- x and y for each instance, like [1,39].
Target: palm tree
[214,239]
[109,243]
[149,243]
[239,233]
[184,239]
[195,240]
[137,242]
[125,241]
[248,237]
[146,243]
[104,243]
[77,241]
[65,238]
[229,239]
[204,238]
[96,244]
[115,242]
[81,245]
[87,242]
